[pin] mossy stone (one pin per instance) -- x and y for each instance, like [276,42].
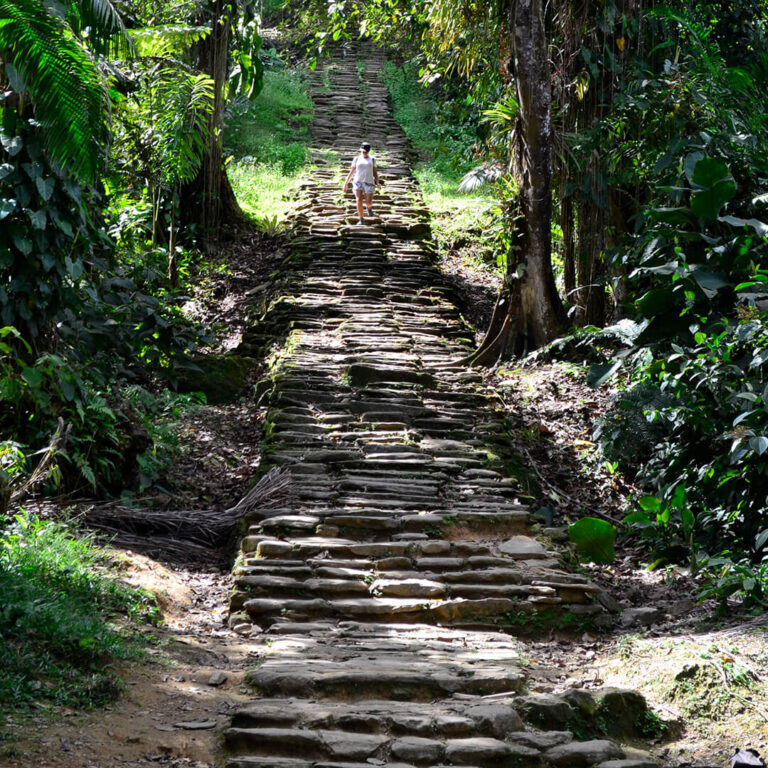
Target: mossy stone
[221,378]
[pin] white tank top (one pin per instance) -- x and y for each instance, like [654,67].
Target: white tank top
[364,169]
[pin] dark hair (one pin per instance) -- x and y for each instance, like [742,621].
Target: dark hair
[365,146]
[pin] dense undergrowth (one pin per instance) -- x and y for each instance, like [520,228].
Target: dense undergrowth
[441,128]
[267,139]
[63,619]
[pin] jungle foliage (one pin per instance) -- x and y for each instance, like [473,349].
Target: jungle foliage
[106,120]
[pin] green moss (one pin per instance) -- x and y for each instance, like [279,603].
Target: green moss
[221,377]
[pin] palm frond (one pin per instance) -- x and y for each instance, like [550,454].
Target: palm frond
[101,26]
[185,104]
[62,80]
[480,176]
[167,40]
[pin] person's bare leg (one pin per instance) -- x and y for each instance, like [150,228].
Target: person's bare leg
[359,197]
[369,203]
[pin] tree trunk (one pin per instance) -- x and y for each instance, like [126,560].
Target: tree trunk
[566,225]
[535,314]
[208,202]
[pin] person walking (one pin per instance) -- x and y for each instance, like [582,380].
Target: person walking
[366,178]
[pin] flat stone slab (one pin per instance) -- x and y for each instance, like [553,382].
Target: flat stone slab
[523,547]
[583,754]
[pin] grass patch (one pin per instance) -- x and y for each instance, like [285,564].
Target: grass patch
[267,140]
[57,630]
[444,142]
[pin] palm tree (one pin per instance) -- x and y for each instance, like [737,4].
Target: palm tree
[44,58]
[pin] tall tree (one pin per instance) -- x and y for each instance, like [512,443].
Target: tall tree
[529,312]
[208,200]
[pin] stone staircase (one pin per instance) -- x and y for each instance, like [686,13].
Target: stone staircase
[381,598]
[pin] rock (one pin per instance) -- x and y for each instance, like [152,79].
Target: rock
[499,720]
[640,617]
[622,712]
[475,751]
[542,741]
[630,763]
[523,547]
[414,749]
[583,754]
[546,711]
[196,725]
[351,746]
[408,588]
[581,700]
[556,534]
[221,377]
[217,678]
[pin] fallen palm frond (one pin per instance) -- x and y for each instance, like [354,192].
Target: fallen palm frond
[177,531]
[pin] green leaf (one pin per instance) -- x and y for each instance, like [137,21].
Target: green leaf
[713,187]
[759,444]
[760,227]
[37,218]
[23,244]
[657,301]
[594,539]
[709,282]
[11,144]
[688,519]
[690,163]
[600,373]
[32,376]
[45,187]
[638,520]
[649,503]
[761,539]
[7,207]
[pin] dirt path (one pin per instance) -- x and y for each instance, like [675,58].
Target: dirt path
[376,597]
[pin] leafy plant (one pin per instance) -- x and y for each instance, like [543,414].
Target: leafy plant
[670,524]
[55,620]
[42,57]
[593,539]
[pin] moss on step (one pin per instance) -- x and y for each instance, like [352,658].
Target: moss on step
[220,378]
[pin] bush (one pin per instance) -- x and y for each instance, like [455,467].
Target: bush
[56,635]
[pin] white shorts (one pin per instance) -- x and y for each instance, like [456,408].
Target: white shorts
[361,186]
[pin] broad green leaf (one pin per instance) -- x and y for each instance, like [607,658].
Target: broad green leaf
[7,207]
[37,218]
[649,503]
[638,519]
[709,282]
[11,144]
[759,444]
[45,187]
[593,539]
[760,227]
[32,376]
[23,244]
[657,301]
[688,519]
[713,187]
[600,373]
[691,161]
[761,539]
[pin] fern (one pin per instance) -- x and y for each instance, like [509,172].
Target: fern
[100,23]
[185,104]
[167,40]
[62,80]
